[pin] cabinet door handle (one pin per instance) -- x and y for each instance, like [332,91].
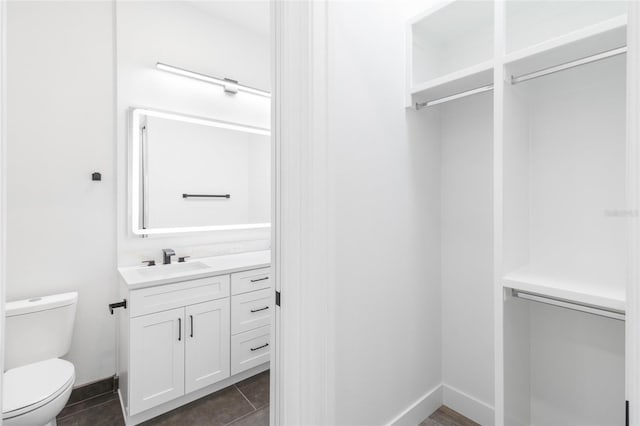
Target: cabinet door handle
[191,318]
[259,347]
[179,329]
[258,310]
[259,279]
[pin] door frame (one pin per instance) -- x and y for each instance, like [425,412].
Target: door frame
[3,179]
[632,323]
[303,332]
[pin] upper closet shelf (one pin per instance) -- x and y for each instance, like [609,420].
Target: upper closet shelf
[610,298]
[450,50]
[474,77]
[586,42]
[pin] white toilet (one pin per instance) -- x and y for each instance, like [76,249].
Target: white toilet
[37,384]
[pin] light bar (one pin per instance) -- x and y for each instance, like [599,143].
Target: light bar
[230,86]
[203,121]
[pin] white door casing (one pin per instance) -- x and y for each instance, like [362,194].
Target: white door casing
[632,345]
[303,329]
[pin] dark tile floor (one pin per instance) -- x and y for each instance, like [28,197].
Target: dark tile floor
[243,404]
[445,416]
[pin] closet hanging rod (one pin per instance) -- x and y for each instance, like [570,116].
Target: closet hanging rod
[567,65]
[420,105]
[576,306]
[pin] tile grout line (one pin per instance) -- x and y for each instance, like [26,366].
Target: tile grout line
[243,416]
[86,409]
[82,401]
[245,397]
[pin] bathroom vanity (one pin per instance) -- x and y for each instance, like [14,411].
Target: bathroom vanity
[192,328]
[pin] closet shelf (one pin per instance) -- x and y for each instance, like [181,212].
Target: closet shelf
[581,292]
[588,41]
[459,81]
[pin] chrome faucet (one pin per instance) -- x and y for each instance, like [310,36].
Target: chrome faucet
[166,256]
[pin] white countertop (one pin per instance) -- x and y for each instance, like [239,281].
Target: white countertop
[138,276]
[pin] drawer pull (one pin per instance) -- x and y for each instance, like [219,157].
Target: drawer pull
[259,347]
[259,279]
[179,329]
[258,310]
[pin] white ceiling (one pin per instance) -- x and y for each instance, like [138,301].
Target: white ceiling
[250,14]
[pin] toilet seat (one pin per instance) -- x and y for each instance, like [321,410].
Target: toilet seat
[31,386]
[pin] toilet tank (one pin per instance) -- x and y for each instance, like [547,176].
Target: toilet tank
[38,328]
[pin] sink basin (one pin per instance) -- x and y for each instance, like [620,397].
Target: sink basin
[174,268]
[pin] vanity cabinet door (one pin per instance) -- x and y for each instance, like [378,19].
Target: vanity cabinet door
[156,373]
[207,343]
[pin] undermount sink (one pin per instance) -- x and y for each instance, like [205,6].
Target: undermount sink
[174,268]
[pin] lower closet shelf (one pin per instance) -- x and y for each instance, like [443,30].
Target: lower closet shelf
[586,296]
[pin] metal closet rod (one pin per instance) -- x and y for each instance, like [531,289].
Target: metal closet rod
[529,76]
[571,64]
[576,306]
[420,105]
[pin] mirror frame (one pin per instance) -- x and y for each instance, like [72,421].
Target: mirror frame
[135,178]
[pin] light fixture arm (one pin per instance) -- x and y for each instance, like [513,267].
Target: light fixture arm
[230,86]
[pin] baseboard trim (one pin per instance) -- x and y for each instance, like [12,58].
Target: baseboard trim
[419,410]
[90,390]
[467,405]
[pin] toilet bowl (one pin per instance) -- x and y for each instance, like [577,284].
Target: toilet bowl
[37,383]
[35,394]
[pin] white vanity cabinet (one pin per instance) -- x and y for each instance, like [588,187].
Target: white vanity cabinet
[251,306]
[180,350]
[183,337]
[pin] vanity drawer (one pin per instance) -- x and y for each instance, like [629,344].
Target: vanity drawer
[251,310]
[256,279]
[169,296]
[250,349]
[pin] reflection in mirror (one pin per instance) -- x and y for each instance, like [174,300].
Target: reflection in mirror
[195,174]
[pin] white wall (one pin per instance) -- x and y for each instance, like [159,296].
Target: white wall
[187,36]
[61,225]
[385,194]
[467,248]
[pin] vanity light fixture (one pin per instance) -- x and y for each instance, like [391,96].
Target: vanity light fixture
[230,86]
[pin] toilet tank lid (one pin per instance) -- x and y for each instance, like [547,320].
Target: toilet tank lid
[36,304]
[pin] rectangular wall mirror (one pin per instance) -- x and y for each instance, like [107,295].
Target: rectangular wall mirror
[192,174]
